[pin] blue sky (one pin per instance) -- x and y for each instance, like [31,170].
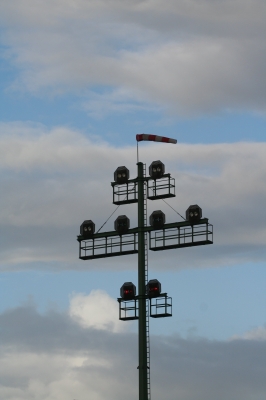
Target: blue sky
[79,79]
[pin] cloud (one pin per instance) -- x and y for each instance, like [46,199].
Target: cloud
[52,180]
[258,333]
[97,310]
[186,58]
[51,356]
[117,101]
[28,146]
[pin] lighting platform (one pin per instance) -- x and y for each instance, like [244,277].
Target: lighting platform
[108,244]
[128,309]
[125,193]
[181,234]
[161,306]
[161,188]
[170,236]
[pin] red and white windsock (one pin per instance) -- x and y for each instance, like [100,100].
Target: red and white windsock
[154,138]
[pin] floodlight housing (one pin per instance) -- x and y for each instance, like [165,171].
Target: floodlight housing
[122,224]
[193,214]
[121,175]
[156,169]
[87,228]
[157,219]
[153,288]
[128,291]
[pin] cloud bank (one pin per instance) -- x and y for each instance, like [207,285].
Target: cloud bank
[52,180]
[185,57]
[52,356]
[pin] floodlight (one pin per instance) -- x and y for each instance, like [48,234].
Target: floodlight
[87,228]
[128,291]
[193,213]
[156,169]
[157,219]
[122,224]
[153,288]
[121,175]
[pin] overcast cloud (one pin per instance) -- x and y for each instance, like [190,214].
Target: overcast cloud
[187,57]
[53,357]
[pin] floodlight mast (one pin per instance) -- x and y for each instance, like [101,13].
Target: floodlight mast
[195,231]
[143,370]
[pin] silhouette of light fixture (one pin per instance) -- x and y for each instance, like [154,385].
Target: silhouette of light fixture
[157,219]
[87,228]
[121,175]
[128,291]
[122,224]
[156,169]
[193,213]
[153,288]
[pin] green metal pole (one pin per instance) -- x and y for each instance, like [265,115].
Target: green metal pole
[143,389]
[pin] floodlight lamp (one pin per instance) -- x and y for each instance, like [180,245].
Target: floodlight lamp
[157,219]
[153,288]
[156,169]
[193,214]
[121,175]
[128,291]
[87,228]
[122,224]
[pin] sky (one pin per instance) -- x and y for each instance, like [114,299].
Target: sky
[79,79]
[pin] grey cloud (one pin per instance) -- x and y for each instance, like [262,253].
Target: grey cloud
[205,369]
[201,76]
[204,15]
[26,329]
[191,58]
[42,347]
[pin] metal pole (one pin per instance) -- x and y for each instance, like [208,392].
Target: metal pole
[143,389]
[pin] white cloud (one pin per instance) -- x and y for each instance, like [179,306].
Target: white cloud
[258,333]
[191,57]
[96,310]
[25,146]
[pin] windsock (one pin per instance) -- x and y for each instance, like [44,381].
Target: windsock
[154,138]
